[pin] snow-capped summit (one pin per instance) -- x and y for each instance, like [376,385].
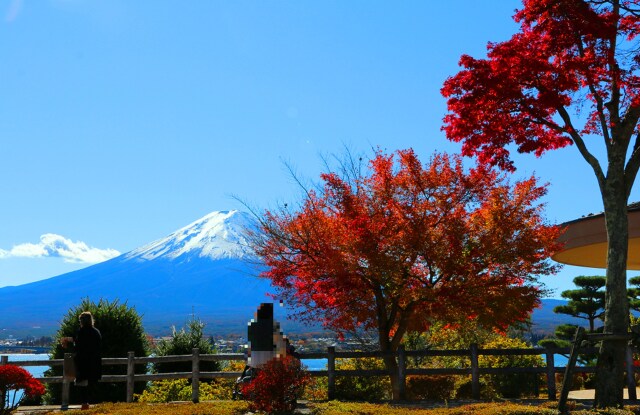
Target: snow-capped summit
[218,235]
[205,268]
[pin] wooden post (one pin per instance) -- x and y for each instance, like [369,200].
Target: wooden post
[551,375]
[131,372]
[331,372]
[568,371]
[475,373]
[4,360]
[195,376]
[402,371]
[66,382]
[631,379]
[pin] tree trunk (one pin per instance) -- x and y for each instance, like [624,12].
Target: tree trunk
[611,358]
[391,364]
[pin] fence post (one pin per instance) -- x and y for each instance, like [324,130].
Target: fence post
[402,371]
[4,360]
[331,372]
[568,370]
[195,376]
[631,379]
[66,382]
[475,372]
[131,372]
[551,374]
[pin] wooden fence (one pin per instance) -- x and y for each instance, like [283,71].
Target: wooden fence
[473,353]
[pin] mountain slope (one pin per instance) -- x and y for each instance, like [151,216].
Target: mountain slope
[205,268]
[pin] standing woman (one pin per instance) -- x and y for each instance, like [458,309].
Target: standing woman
[88,360]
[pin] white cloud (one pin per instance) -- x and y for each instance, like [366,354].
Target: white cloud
[52,245]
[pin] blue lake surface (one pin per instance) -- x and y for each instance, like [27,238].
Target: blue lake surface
[315,364]
[36,371]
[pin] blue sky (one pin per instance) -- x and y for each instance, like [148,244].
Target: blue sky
[122,121]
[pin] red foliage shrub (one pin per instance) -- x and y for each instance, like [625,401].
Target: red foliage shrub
[12,380]
[276,386]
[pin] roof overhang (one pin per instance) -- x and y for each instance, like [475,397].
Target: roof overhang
[585,241]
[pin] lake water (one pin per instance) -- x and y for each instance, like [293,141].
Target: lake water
[36,371]
[315,364]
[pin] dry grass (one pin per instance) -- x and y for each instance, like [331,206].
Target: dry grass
[337,408]
[181,408]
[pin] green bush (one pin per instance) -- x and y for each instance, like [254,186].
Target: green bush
[440,337]
[463,388]
[362,388]
[122,332]
[512,385]
[436,387]
[180,390]
[182,342]
[164,391]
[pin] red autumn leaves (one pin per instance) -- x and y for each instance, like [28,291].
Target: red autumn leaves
[568,55]
[12,380]
[402,244]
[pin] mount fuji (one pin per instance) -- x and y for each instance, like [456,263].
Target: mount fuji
[206,269]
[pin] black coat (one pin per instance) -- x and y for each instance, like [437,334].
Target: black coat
[88,359]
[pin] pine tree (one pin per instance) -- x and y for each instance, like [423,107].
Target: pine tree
[183,342]
[585,302]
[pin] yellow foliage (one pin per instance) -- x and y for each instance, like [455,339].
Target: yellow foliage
[163,391]
[204,408]
[352,408]
[336,408]
[316,390]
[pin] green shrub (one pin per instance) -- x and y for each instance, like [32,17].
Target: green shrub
[463,388]
[122,332]
[182,342]
[512,385]
[163,391]
[436,387]
[362,388]
[442,337]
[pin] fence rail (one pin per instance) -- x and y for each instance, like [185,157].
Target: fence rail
[473,353]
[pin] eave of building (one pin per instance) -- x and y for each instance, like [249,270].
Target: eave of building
[585,241]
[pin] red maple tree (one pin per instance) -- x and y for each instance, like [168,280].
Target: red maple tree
[569,76]
[399,245]
[13,380]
